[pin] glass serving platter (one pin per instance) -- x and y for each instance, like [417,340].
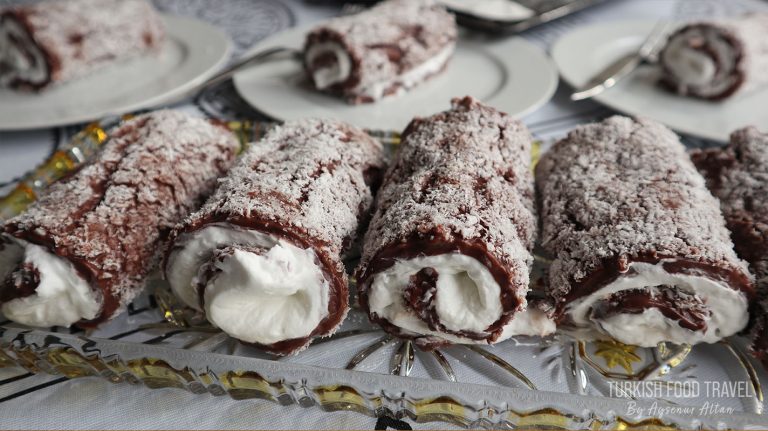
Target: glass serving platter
[553,382]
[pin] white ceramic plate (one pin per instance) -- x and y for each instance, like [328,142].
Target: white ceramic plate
[193,51]
[510,74]
[582,53]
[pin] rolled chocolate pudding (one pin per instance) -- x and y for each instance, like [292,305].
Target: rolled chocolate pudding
[717,59]
[737,174]
[641,252]
[82,252]
[386,50]
[56,41]
[263,257]
[447,256]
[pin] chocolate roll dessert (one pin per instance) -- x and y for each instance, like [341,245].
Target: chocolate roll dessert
[716,59]
[263,257]
[639,245]
[82,252]
[738,175]
[447,256]
[55,41]
[386,50]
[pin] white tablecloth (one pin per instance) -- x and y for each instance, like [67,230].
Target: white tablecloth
[41,401]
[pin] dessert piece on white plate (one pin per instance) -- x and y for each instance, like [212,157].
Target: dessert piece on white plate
[51,42]
[384,51]
[717,59]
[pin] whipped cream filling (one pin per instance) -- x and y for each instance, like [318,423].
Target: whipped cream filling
[411,78]
[15,62]
[264,298]
[62,297]
[693,67]
[467,299]
[335,72]
[647,329]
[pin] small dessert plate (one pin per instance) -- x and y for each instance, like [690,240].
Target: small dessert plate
[510,74]
[584,52]
[193,51]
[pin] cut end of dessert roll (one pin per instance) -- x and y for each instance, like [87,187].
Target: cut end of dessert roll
[42,289]
[703,60]
[22,61]
[454,296]
[329,64]
[49,42]
[717,59]
[255,286]
[655,300]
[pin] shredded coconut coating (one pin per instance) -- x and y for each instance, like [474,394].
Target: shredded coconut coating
[310,182]
[111,218]
[748,50]
[387,41]
[80,36]
[621,189]
[461,177]
[738,175]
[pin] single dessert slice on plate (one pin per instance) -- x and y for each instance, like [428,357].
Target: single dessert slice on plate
[641,252]
[56,41]
[82,252]
[717,59]
[447,256]
[383,51]
[738,175]
[263,257]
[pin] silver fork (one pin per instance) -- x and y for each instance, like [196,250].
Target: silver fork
[622,67]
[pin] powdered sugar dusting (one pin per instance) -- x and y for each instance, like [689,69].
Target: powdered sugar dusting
[309,174]
[461,176]
[111,217]
[738,175]
[622,188]
[78,36]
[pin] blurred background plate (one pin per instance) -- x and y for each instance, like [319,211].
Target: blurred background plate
[194,50]
[584,52]
[510,74]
